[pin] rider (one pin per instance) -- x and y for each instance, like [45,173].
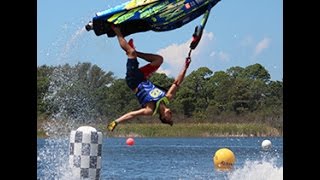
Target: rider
[152,99]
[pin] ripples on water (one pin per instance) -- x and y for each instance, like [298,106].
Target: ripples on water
[168,158]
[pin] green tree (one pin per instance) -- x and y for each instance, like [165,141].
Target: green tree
[119,99]
[43,82]
[236,71]
[193,94]
[85,92]
[161,80]
[255,72]
[221,84]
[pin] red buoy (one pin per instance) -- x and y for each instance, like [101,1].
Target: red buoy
[130,141]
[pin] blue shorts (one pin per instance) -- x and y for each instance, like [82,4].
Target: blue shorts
[134,75]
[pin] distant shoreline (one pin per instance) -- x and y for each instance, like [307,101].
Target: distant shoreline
[187,130]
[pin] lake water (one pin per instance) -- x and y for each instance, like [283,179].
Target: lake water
[168,158]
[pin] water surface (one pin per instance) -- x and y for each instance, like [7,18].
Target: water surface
[169,158]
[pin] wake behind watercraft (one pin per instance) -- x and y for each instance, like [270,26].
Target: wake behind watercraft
[143,15]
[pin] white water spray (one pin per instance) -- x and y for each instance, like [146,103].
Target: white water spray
[72,43]
[257,170]
[72,106]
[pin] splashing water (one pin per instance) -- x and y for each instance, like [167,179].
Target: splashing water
[258,170]
[72,107]
[65,48]
[72,43]
[52,159]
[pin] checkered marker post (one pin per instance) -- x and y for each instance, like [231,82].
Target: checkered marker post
[85,153]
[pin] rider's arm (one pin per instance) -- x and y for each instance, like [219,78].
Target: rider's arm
[174,87]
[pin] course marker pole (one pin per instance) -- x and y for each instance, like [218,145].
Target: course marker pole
[85,153]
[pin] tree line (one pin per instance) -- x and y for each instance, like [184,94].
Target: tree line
[85,91]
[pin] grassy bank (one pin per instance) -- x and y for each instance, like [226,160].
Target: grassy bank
[194,130]
[188,130]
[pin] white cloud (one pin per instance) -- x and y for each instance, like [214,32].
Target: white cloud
[262,45]
[209,35]
[212,54]
[165,71]
[247,41]
[223,56]
[175,54]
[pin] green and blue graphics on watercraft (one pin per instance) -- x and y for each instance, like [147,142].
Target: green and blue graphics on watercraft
[144,15]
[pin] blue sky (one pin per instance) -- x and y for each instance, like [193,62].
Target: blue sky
[238,33]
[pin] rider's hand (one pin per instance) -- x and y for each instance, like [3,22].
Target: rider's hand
[187,62]
[196,37]
[115,28]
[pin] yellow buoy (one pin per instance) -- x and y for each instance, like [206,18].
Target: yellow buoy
[224,159]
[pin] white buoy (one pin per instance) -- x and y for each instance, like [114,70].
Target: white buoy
[266,144]
[85,153]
